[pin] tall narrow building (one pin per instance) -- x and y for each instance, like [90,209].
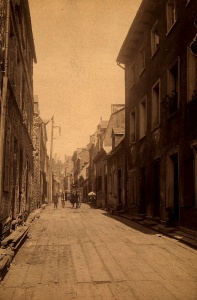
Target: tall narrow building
[17,54]
[161,111]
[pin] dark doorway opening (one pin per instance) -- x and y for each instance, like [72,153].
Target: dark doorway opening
[142,207]
[156,188]
[176,187]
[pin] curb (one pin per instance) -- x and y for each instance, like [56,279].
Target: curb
[12,243]
[175,233]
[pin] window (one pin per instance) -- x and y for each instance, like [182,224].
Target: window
[141,61]
[191,76]
[142,118]
[173,87]
[171,13]
[155,105]
[105,169]
[132,127]
[154,38]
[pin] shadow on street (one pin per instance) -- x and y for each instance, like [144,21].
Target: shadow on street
[132,224]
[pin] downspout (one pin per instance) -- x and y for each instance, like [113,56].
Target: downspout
[4,99]
[125,148]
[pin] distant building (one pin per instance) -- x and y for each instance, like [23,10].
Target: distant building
[100,165]
[17,54]
[68,180]
[80,159]
[161,112]
[40,173]
[103,147]
[116,167]
[92,152]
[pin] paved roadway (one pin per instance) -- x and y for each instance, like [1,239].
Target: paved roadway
[87,254]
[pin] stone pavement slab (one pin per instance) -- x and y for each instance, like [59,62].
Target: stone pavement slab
[87,254]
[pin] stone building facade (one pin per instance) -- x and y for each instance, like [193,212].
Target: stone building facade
[103,147]
[161,109]
[91,170]
[17,54]
[80,159]
[116,176]
[40,159]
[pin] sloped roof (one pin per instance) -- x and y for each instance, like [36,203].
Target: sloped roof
[117,120]
[136,30]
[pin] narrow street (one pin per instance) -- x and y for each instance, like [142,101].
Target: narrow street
[88,254]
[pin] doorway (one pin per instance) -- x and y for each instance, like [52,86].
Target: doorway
[156,188]
[172,186]
[176,187]
[142,208]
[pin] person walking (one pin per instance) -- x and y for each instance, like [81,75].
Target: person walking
[63,200]
[79,200]
[92,201]
[74,199]
[55,200]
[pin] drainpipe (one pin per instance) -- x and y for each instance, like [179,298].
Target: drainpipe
[4,99]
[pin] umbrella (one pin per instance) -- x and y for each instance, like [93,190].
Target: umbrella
[91,194]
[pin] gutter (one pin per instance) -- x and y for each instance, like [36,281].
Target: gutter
[120,65]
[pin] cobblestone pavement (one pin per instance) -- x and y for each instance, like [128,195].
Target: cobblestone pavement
[88,254]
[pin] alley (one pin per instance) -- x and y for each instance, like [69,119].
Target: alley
[88,254]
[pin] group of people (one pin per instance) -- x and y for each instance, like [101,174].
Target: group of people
[74,198]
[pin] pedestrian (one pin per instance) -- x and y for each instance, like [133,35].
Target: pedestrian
[74,199]
[79,200]
[63,200]
[92,201]
[66,196]
[55,200]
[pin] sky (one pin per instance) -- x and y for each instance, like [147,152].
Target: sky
[76,77]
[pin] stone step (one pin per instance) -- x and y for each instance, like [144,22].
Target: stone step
[165,229]
[15,236]
[149,223]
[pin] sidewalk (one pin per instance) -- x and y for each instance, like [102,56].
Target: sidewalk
[12,243]
[181,234]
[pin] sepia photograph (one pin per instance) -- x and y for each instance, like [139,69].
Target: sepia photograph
[98,149]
